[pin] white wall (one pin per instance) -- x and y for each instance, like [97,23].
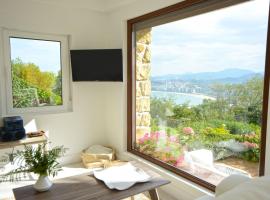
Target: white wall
[99,114]
[85,125]
[116,104]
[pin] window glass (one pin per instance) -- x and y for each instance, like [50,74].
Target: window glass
[199,91]
[36,72]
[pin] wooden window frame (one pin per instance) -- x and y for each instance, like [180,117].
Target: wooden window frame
[131,93]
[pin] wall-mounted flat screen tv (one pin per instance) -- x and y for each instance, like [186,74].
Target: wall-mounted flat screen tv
[97,65]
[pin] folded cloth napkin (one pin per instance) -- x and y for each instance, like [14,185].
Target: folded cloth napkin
[122,177]
[98,149]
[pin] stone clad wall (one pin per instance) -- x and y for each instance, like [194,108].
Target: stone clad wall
[143,82]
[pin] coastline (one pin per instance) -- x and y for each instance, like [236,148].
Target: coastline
[199,95]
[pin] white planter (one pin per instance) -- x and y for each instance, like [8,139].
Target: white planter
[43,184]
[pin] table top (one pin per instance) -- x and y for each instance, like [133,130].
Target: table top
[87,187]
[25,141]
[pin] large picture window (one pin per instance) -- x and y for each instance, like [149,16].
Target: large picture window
[37,72]
[198,88]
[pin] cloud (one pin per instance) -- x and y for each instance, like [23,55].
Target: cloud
[234,37]
[212,22]
[45,54]
[206,57]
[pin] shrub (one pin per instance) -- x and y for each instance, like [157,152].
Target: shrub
[56,99]
[43,96]
[252,154]
[26,95]
[23,94]
[210,136]
[24,98]
[162,146]
[238,127]
[188,131]
[171,122]
[251,138]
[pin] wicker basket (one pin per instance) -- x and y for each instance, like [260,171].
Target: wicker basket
[97,160]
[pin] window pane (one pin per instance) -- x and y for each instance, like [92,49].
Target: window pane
[36,73]
[199,91]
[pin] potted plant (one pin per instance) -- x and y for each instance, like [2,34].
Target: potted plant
[38,160]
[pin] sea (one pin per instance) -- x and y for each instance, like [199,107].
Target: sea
[192,99]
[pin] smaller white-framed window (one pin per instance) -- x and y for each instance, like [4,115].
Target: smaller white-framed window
[35,73]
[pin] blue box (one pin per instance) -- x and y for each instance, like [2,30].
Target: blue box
[13,123]
[7,136]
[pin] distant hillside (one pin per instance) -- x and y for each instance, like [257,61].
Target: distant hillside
[200,82]
[224,76]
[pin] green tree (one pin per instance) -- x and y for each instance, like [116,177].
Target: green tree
[32,74]
[45,87]
[243,101]
[184,113]
[161,108]
[58,84]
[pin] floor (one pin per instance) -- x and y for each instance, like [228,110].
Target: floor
[69,170]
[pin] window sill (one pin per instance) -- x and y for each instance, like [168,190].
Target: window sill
[35,112]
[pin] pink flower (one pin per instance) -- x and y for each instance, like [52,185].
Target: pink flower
[141,140]
[145,138]
[179,161]
[167,149]
[173,138]
[250,145]
[162,134]
[155,135]
[188,130]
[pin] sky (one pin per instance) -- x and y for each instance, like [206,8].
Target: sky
[45,54]
[234,37]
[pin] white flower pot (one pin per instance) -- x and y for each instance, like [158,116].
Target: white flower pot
[43,184]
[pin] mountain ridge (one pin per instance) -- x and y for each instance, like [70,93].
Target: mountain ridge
[231,73]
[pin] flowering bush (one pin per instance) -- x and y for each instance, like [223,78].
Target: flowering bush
[250,145]
[188,131]
[173,138]
[253,152]
[251,137]
[162,146]
[168,146]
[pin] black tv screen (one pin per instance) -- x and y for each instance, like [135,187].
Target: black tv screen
[97,65]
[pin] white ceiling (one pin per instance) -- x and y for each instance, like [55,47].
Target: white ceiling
[96,5]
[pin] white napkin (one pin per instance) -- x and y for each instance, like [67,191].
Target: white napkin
[122,177]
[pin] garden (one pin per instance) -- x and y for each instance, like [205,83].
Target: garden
[228,127]
[32,87]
